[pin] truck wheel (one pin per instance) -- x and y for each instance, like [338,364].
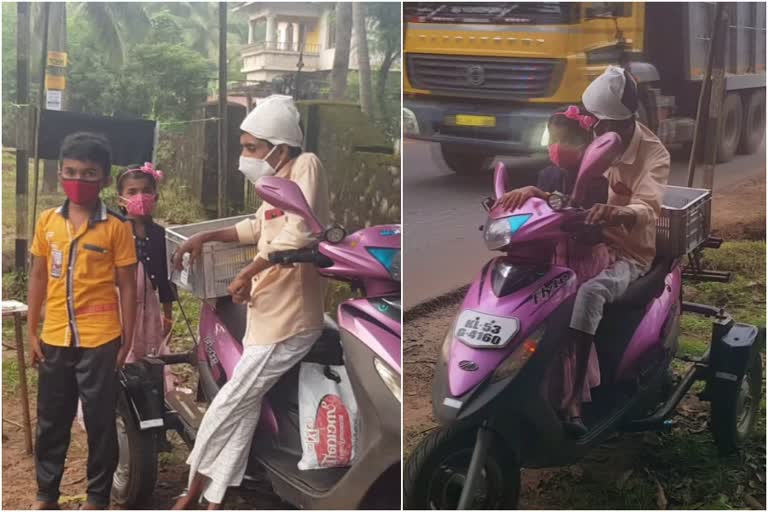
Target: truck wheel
[734,409]
[136,473]
[730,129]
[435,473]
[463,161]
[753,129]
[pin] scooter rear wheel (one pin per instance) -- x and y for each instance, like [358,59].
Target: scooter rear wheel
[436,470]
[734,409]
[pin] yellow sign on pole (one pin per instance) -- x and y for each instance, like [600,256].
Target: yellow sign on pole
[56,82]
[57,59]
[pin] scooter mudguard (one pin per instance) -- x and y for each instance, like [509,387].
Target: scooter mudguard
[504,294]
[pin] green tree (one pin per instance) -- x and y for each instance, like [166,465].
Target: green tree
[9,71]
[384,39]
[116,25]
[341,54]
[162,81]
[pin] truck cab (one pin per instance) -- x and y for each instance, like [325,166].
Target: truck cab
[482,79]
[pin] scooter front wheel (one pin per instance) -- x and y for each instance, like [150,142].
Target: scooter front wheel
[436,471]
[136,473]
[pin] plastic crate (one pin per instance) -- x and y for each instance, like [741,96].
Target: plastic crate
[685,220]
[218,264]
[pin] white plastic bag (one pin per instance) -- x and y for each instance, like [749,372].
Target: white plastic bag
[328,417]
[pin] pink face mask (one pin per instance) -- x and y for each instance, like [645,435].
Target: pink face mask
[140,205]
[565,157]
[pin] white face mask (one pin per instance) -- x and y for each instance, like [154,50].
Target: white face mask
[256,168]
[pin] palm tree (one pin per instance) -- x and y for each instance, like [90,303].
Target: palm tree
[117,25]
[363,60]
[341,55]
[384,36]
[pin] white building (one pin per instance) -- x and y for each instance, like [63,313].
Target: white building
[279,31]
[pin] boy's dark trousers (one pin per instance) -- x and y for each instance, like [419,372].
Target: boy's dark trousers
[67,374]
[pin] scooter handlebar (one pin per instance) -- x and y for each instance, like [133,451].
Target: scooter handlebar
[306,255]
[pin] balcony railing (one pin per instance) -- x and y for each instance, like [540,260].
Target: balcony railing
[284,46]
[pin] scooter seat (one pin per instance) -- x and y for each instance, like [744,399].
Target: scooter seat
[643,290]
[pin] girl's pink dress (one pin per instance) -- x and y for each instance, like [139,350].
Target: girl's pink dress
[587,261]
[148,339]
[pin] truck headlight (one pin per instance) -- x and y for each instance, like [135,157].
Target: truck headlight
[545,137]
[410,123]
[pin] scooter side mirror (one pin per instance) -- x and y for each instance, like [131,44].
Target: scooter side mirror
[500,180]
[286,195]
[598,157]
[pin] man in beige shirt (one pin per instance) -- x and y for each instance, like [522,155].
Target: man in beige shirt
[636,188]
[285,304]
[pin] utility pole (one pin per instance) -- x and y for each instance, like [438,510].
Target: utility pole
[716,97]
[22,141]
[55,60]
[710,99]
[223,118]
[39,110]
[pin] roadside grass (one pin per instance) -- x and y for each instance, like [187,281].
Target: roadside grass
[682,469]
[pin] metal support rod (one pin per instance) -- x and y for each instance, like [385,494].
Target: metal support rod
[476,465]
[716,99]
[696,372]
[704,94]
[22,144]
[40,103]
[23,383]
[223,120]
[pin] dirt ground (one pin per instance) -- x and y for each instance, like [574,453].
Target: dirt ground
[19,486]
[739,213]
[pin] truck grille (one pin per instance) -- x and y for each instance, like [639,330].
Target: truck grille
[484,77]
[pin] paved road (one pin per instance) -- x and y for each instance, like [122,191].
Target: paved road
[443,246]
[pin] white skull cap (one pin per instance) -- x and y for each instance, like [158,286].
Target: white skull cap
[276,120]
[602,98]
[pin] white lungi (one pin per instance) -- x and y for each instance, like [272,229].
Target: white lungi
[606,287]
[224,439]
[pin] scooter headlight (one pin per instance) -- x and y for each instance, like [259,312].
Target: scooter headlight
[389,259]
[390,377]
[512,365]
[499,232]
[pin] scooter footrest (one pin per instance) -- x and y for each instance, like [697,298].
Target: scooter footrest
[189,411]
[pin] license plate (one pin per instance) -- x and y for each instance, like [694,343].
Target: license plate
[468,120]
[481,330]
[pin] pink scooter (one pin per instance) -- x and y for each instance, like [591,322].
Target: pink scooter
[367,340]
[491,390]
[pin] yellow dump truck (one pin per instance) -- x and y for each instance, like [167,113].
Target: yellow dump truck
[481,79]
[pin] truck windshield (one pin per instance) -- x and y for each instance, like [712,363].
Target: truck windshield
[490,12]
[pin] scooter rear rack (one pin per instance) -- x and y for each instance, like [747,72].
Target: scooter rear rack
[694,271]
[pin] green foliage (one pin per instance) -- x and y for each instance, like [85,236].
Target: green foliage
[162,81]
[11,377]
[177,205]
[15,286]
